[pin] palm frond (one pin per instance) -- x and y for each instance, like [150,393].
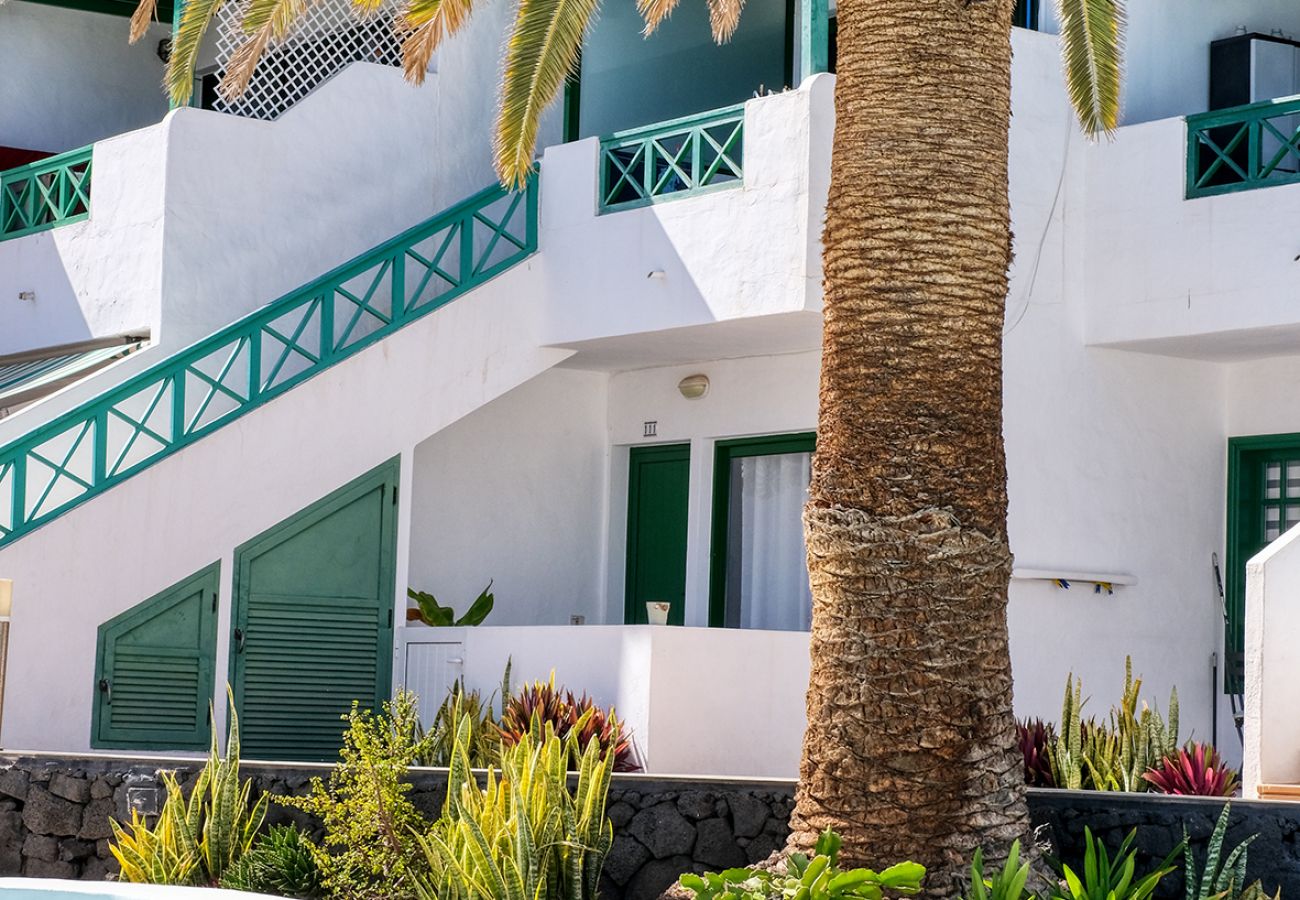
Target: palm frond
[542,52]
[196,16]
[144,14]
[429,23]
[1092,51]
[724,17]
[654,12]
[263,22]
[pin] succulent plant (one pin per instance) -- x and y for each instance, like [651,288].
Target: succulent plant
[1034,737]
[540,704]
[1195,769]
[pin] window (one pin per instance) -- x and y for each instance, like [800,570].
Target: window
[1263,502]
[759,569]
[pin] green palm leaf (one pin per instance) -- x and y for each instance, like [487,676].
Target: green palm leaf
[196,16]
[542,52]
[1092,50]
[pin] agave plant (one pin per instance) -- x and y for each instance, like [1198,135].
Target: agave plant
[1196,770]
[1035,737]
[540,702]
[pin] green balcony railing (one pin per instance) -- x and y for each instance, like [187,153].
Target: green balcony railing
[1243,147]
[672,159]
[152,415]
[45,194]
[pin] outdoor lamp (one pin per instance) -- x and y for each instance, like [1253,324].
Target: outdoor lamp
[693,387]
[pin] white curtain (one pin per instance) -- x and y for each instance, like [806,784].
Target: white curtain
[769,581]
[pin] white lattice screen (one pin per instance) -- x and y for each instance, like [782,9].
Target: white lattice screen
[330,35]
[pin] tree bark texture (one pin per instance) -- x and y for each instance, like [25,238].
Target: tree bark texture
[910,750]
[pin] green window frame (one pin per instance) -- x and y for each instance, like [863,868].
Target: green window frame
[155,670]
[1246,530]
[723,454]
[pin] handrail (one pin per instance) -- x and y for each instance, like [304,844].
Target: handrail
[45,194]
[186,396]
[1245,147]
[672,159]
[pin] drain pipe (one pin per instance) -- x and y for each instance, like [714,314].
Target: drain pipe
[1214,699]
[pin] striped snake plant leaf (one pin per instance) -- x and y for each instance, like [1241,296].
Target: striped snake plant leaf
[541,54]
[1092,51]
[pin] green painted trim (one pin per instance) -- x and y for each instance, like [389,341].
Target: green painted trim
[723,453]
[386,477]
[814,37]
[45,194]
[1234,573]
[509,237]
[637,456]
[640,161]
[1225,149]
[572,126]
[207,580]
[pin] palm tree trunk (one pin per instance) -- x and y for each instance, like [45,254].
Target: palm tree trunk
[909,752]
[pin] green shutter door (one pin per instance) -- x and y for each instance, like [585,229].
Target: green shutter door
[313,626]
[657,503]
[154,670]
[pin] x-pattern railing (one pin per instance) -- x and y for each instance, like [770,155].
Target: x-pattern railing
[672,159]
[45,194]
[1244,147]
[261,356]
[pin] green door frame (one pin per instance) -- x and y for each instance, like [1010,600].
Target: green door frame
[637,456]
[385,475]
[723,453]
[1240,453]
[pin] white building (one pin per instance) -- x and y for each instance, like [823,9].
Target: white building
[245,496]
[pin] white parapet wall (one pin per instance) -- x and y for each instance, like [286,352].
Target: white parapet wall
[698,701]
[743,252]
[1272,727]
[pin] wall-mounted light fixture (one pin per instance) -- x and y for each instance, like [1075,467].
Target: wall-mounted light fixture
[693,387]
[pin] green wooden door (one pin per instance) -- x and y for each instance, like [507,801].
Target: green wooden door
[154,670]
[657,503]
[312,629]
[1263,502]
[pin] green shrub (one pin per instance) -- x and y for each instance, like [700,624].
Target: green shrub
[524,835]
[1221,877]
[1008,884]
[281,862]
[428,610]
[370,850]
[1105,879]
[818,878]
[198,841]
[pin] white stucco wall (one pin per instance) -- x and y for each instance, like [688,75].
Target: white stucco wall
[741,252]
[1272,729]
[652,676]
[195,507]
[514,493]
[68,78]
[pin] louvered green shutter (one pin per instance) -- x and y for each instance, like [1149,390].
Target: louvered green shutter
[313,629]
[154,670]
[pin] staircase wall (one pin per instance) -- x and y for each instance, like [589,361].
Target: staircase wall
[195,507]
